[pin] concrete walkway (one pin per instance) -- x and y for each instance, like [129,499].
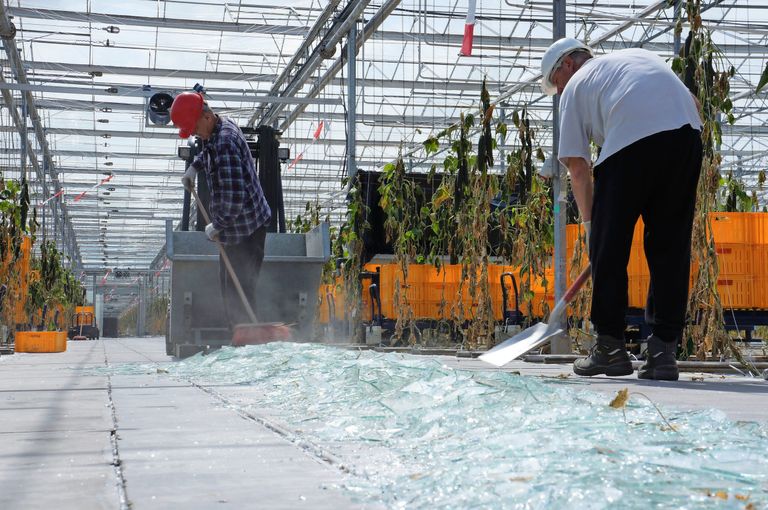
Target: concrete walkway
[74,438]
[740,398]
[175,446]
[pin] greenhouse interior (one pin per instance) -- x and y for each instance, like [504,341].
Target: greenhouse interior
[405,254]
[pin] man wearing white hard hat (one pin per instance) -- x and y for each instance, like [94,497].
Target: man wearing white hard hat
[647,127]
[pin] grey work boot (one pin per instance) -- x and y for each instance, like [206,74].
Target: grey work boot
[608,356]
[660,362]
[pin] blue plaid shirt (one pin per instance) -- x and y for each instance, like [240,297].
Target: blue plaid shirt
[238,207]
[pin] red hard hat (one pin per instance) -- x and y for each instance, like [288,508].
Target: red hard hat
[185,111]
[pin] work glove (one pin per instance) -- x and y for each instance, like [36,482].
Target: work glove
[587,229]
[188,179]
[211,232]
[548,169]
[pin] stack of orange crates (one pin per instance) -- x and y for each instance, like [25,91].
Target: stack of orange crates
[741,245]
[434,293]
[336,291]
[741,242]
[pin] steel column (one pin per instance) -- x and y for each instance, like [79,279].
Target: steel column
[677,43]
[351,102]
[562,344]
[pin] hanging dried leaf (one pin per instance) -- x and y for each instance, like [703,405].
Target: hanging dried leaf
[488,115]
[763,80]
[621,399]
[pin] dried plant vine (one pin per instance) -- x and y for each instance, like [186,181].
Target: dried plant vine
[348,249]
[33,283]
[14,208]
[509,212]
[310,219]
[303,224]
[527,224]
[702,67]
[400,199]
[473,215]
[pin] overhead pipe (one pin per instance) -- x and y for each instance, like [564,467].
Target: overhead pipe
[6,27]
[369,29]
[303,50]
[349,17]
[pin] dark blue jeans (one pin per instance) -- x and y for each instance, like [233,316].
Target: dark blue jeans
[656,178]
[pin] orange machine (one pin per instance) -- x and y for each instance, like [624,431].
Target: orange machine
[83,324]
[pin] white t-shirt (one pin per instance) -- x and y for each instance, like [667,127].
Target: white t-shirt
[619,98]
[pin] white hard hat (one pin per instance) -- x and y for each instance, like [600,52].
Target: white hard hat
[552,56]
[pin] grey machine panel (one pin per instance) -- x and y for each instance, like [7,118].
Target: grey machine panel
[286,289]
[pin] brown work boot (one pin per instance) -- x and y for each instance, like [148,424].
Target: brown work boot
[608,356]
[660,361]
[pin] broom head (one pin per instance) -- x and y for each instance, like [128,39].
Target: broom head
[255,334]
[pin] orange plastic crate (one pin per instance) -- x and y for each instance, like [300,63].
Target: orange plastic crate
[336,291]
[734,259]
[760,228]
[427,286]
[746,228]
[637,290]
[760,260]
[731,228]
[40,341]
[761,292]
[737,292]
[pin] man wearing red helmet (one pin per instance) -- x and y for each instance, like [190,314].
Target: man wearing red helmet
[239,211]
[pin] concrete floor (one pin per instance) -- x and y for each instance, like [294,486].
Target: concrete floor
[177,446]
[740,398]
[75,439]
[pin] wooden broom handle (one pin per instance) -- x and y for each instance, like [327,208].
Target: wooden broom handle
[227,263]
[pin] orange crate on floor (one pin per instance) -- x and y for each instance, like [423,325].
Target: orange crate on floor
[336,294]
[735,258]
[440,291]
[637,290]
[733,227]
[760,228]
[738,292]
[391,275]
[761,292]
[448,273]
[760,260]
[434,310]
[40,341]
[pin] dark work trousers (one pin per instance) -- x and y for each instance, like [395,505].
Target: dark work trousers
[655,178]
[246,258]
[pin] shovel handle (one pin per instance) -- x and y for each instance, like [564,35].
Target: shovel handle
[577,284]
[227,263]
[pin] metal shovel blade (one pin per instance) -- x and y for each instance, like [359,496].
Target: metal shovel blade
[538,334]
[519,344]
